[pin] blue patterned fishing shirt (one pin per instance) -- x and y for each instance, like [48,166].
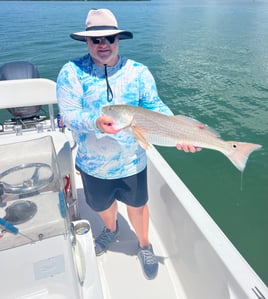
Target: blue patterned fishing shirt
[81,93]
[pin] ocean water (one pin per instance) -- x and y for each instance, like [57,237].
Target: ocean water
[210,62]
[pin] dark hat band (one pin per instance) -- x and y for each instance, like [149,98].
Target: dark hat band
[96,28]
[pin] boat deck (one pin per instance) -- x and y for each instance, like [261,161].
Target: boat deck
[119,267]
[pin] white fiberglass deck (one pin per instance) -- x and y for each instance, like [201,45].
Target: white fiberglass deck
[120,269]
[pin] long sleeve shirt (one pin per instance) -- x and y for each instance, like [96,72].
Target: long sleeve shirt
[82,90]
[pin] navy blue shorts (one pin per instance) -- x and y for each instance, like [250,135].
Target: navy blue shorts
[101,193]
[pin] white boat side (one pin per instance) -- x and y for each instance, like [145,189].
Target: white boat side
[197,261]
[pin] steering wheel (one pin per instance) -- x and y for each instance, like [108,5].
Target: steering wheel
[33,184]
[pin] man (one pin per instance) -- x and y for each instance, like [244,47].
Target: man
[111,163]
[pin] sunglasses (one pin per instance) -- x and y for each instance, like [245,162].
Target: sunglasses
[106,39]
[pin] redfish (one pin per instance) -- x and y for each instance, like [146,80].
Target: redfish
[150,127]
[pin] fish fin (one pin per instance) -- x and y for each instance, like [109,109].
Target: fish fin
[196,123]
[241,152]
[139,137]
[211,131]
[187,120]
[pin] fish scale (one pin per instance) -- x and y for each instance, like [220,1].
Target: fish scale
[159,129]
[174,132]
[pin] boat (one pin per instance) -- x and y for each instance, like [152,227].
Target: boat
[47,230]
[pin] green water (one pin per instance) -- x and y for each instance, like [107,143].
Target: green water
[210,62]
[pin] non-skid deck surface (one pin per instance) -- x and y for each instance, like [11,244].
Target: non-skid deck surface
[119,267]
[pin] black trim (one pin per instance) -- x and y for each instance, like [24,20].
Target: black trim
[96,28]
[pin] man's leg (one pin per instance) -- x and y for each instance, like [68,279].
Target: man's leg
[110,231]
[139,218]
[109,216]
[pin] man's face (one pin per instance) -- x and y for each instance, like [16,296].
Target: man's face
[104,50]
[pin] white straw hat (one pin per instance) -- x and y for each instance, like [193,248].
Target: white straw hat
[101,22]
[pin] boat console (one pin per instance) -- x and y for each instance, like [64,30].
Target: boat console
[31,192]
[45,253]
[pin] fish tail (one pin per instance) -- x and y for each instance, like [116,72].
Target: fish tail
[240,153]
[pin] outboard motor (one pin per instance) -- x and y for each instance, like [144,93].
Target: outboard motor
[20,70]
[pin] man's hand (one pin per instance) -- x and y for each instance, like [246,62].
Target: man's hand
[188,148]
[106,124]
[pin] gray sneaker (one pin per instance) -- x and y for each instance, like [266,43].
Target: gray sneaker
[148,261]
[105,239]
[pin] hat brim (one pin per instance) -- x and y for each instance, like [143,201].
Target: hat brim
[81,36]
